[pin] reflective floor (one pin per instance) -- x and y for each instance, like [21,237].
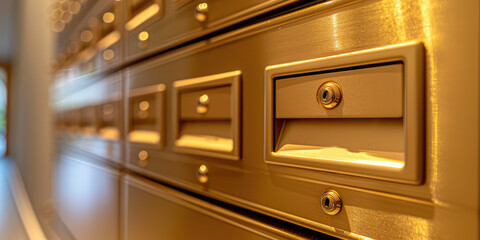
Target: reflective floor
[11,226]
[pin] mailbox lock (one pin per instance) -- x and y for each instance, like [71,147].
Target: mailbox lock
[201,12]
[329,95]
[202,174]
[143,106]
[331,202]
[202,104]
[143,158]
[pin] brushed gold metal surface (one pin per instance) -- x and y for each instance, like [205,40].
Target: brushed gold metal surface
[372,208]
[358,26]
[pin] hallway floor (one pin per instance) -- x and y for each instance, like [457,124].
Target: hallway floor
[11,226]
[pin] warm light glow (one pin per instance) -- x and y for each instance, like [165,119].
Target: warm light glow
[143,36]
[109,133]
[336,154]
[204,98]
[67,17]
[74,7]
[144,105]
[58,26]
[400,21]
[86,36]
[142,136]
[206,142]
[108,54]
[202,6]
[142,17]
[108,40]
[108,17]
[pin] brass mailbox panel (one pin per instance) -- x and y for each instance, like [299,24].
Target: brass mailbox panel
[207,115]
[146,115]
[375,130]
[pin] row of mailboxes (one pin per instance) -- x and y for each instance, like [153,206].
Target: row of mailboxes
[328,117]
[148,26]
[367,134]
[358,114]
[346,114]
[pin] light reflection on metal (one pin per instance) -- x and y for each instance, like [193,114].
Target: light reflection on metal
[143,136]
[143,105]
[143,155]
[86,36]
[74,7]
[108,40]
[427,15]
[58,26]
[67,17]
[108,17]
[61,13]
[108,54]
[202,104]
[143,36]
[109,133]
[201,12]
[205,142]
[399,21]
[142,17]
[336,39]
[202,174]
[336,154]
[143,158]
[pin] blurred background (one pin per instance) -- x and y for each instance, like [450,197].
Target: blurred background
[187,119]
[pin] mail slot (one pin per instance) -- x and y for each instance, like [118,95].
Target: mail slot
[109,121]
[374,126]
[141,11]
[88,120]
[146,115]
[207,118]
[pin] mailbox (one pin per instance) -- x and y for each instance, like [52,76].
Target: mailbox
[359,113]
[146,115]
[207,115]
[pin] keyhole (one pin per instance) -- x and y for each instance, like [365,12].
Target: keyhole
[327,202]
[324,95]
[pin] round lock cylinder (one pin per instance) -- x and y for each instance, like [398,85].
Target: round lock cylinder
[143,158]
[201,12]
[143,39]
[329,95]
[331,202]
[202,174]
[202,104]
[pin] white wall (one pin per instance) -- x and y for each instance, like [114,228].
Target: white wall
[31,129]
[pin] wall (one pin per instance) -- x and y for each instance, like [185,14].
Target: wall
[30,139]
